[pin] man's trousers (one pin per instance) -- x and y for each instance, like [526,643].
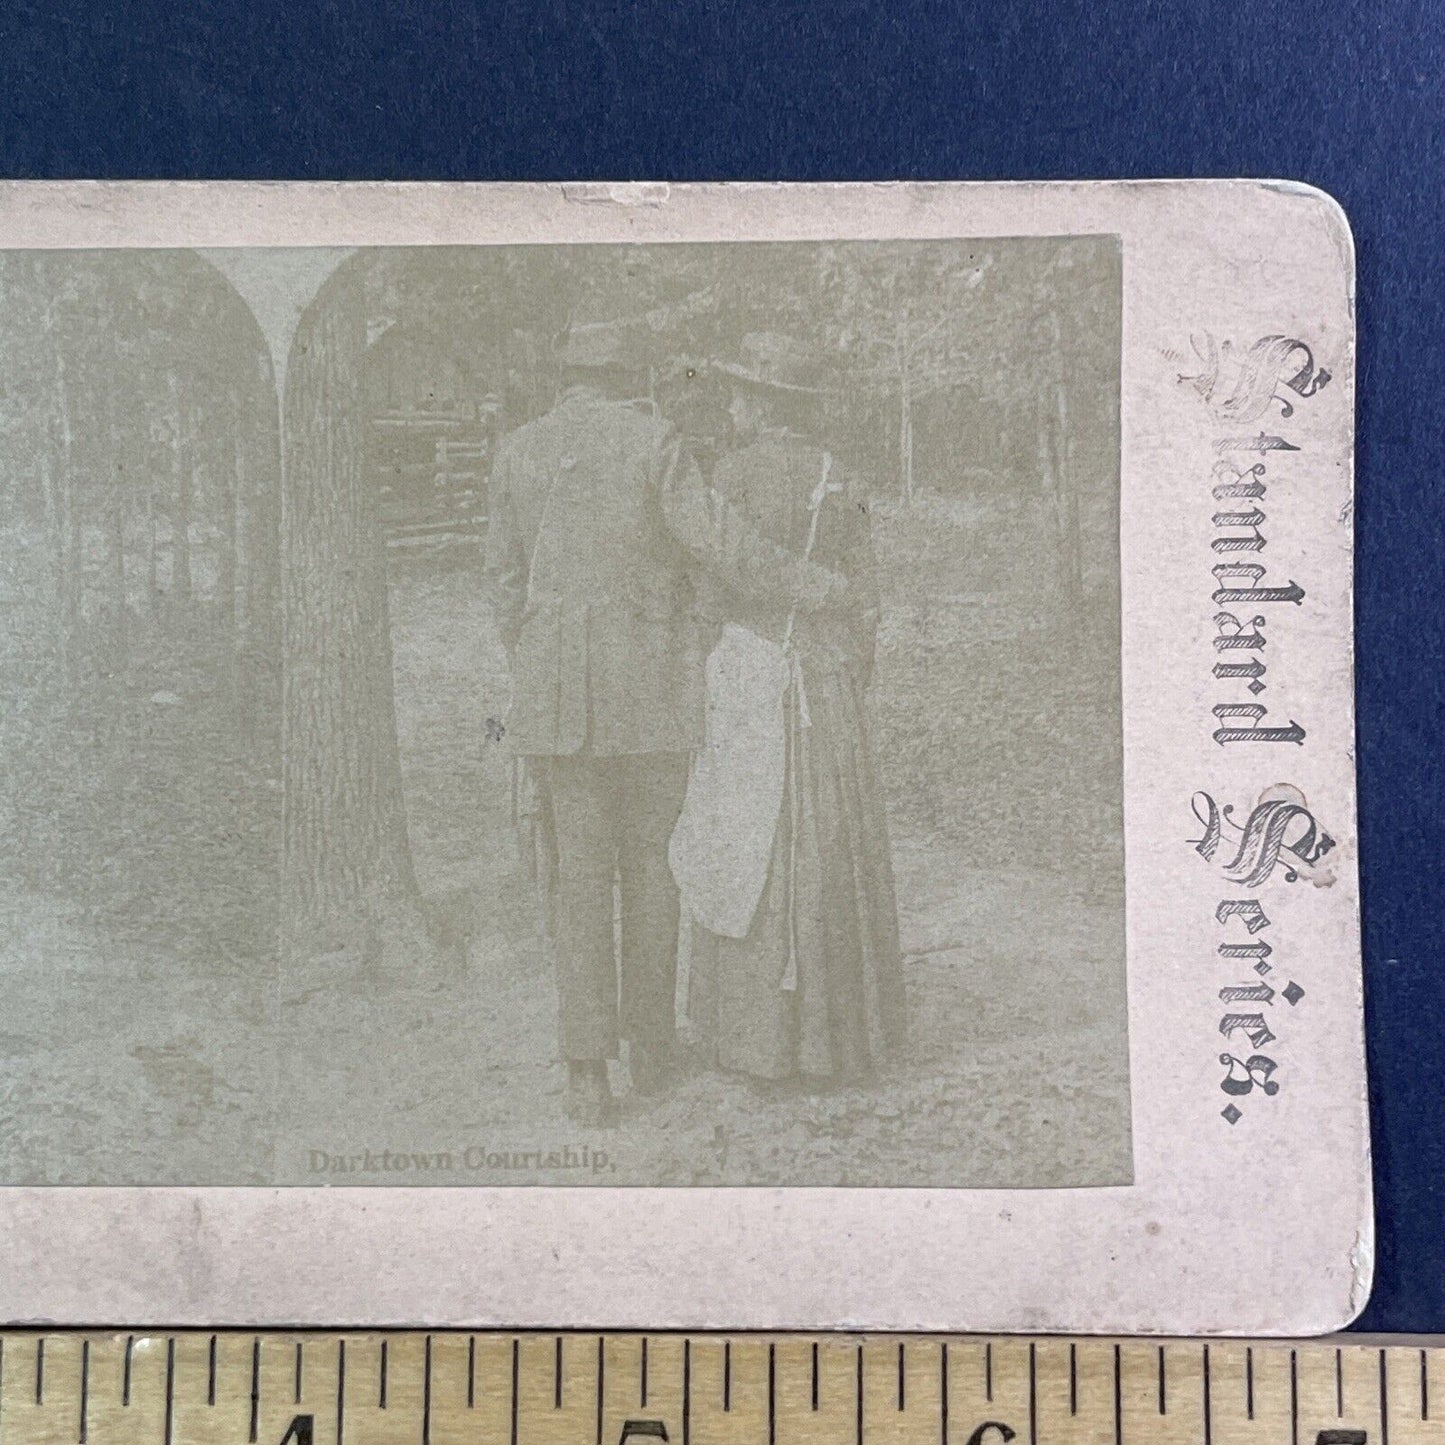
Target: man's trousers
[613,818]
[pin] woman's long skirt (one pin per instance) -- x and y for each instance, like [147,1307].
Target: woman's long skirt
[816,987]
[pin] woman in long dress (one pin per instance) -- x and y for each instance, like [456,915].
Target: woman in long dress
[815,988]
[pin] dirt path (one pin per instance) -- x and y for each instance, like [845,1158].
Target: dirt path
[1017,1074]
[122,1065]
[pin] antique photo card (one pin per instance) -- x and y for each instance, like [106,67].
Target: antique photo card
[766,755]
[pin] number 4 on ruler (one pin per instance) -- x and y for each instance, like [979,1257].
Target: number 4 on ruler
[303,1427]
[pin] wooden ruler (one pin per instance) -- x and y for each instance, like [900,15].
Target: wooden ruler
[73,1388]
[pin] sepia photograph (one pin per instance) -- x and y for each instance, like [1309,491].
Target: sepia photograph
[572,714]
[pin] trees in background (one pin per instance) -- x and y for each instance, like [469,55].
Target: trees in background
[136,439]
[183,525]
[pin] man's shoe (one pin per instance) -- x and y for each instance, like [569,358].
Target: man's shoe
[589,1099]
[653,1067]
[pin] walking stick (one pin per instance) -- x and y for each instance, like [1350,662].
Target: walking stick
[797,723]
[815,508]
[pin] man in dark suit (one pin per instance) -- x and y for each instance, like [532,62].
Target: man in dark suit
[595,514]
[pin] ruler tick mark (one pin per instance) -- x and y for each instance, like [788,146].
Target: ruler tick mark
[727,1374]
[1073,1379]
[340,1389]
[381,1379]
[772,1396]
[901,1374]
[815,1373]
[1384,1403]
[643,1382]
[988,1373]
[297,1391]
[687,1392]
[84,1389]
[557,1374]
[516,1368]
[1033,1397]
[426,1393]
[1249,1382]
[125,1370]
[1293,1398]
[1424,1387]
[942,1391]
[1118,1402]
[858,1396]
[40,1370]
[1339,1385]
[211,1373]
[170,1391]
[601,1385]
[255,1386]
[1163,1404]
[1208,1404]
[471,1371]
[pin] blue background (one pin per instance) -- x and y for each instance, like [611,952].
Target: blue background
[1346,96]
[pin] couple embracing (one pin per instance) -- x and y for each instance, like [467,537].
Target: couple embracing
[689,661]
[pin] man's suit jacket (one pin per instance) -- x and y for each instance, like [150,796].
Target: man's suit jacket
[596,519]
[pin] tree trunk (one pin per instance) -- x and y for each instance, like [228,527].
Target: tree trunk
[259,527]
[181,499]
[71,535]
[905,432]
[152,570]
[1055,452]
[1072,542]
[115,555]
[55,540]
[51,484]
[903,341]
[348,882]
[1056,462]
[231,481]
[115,500]
[227,464]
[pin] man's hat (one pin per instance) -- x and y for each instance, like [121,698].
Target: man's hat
[775,362]
[600,346]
